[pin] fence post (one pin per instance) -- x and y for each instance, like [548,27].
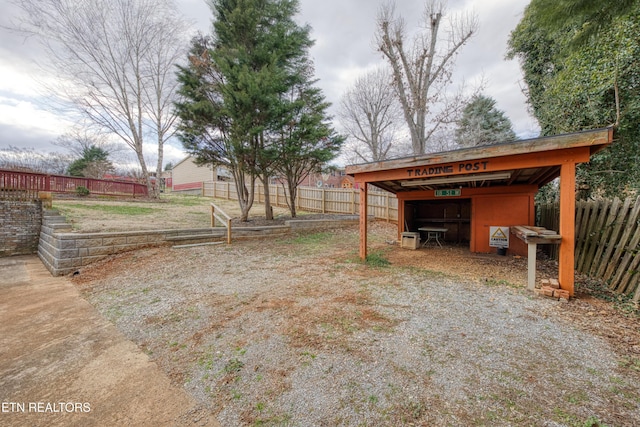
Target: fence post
[353,202]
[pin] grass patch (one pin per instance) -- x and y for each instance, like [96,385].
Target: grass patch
[312,239]
[127,210]
[233,365]
[185,200]
[632,363]
[377,259]
[501,282]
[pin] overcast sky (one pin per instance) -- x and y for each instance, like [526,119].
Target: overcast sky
[343,31]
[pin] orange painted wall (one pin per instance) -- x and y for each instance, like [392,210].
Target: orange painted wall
[500,210]
[492,206]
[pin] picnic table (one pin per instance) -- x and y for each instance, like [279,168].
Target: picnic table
[433,233]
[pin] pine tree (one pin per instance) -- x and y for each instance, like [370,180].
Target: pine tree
[94,163]
[238,87]
[483,124]
[305,140]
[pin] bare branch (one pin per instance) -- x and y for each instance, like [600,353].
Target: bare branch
[115,62]
[422,72]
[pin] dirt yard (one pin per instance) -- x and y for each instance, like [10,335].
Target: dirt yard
[296,331]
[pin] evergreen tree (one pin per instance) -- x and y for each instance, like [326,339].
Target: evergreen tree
[483,124]
[576,81]
[305,140]
[237,89]
[94,163]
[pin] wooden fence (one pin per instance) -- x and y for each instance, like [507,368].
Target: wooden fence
[26,185]
[607,241]
[381,205]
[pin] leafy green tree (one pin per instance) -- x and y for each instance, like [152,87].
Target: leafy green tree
[588,18]
[575,86]
[204,124]
[94,163]
[305,140]
[483,124]
[237,90]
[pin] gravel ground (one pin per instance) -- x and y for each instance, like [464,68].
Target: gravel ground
[297,332]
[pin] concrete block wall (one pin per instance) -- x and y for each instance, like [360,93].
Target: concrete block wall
[63,251]
[20,223]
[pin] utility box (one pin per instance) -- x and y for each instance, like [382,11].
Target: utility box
[410,240]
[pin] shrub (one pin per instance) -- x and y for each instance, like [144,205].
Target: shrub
[82,191]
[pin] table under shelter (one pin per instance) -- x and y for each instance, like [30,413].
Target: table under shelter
[471,191]
[433,233]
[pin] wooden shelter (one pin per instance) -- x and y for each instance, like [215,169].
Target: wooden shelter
[470,190]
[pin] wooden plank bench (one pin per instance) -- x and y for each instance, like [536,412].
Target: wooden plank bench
[533,236]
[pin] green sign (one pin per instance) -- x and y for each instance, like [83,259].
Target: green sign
[448,193]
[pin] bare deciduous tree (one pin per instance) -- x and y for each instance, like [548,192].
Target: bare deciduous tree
[115,62]
[422,70]
[370,114]
[31,160]
[79,139]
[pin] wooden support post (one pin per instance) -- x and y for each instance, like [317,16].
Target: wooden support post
[401,221]
[566,260]
[363,220]
[531,266]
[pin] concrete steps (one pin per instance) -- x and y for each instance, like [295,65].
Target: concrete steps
[55,221]
[196,238]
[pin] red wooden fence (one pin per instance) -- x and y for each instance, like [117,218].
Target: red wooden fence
[21,185]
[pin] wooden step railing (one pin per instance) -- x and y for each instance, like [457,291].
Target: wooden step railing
[223,218]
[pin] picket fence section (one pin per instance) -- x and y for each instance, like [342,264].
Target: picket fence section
[607,240]
[381,205]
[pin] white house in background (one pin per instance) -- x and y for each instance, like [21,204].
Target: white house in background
[188,177]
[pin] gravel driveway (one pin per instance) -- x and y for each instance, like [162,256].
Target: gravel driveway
[297,332]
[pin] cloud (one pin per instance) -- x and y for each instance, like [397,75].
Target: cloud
[344,33]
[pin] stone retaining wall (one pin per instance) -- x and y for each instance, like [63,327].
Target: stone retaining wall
[20,223]
[299,224]
[64,252]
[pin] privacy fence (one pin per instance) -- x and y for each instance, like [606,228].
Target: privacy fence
[15,185]
[381,204]
[607,241]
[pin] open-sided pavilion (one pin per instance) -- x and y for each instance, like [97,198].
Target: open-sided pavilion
[470,190]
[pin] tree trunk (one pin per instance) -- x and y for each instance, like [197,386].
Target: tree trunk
[145,172]
[245,196]
[293,195]
[156,193]
[268,210]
